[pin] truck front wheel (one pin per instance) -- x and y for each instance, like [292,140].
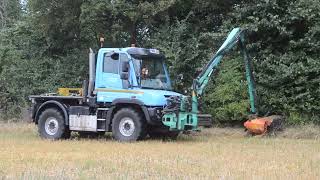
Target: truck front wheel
[51,125]
[128,125]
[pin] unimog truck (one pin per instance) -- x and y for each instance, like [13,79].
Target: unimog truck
[129,93]
[126,94]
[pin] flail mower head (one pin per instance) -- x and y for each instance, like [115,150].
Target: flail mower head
[267,125]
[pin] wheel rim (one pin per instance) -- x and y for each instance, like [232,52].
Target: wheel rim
[51,126]
[126,126]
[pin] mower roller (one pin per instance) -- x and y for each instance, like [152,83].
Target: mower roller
[265,126]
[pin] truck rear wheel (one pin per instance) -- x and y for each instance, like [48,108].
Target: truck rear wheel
[128,125]
[51,125]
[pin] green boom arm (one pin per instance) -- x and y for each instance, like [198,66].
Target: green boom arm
[185,120]
[235,37]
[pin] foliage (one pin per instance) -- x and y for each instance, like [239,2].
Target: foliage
[10,11]
[285,38]
[44,46]
[227,96]
[182,48]
[58,24]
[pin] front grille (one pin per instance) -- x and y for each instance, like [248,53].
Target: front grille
[173,104]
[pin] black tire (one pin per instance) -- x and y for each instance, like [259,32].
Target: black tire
[173,135]
[67,133]
[128,125]
[51,125]
[155,135]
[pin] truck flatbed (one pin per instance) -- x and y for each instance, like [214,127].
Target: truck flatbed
[54,97]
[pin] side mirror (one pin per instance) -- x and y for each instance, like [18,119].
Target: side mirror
[125,66]
[112,55]
[124,75]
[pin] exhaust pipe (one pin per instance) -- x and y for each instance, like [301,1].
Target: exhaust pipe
[92,67]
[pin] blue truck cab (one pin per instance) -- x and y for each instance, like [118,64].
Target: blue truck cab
[127,93]
[134,74]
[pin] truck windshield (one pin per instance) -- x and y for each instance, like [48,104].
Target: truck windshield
[151,74]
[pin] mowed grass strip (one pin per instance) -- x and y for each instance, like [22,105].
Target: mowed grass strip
[212,154]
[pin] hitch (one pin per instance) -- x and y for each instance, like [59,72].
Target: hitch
[181,122]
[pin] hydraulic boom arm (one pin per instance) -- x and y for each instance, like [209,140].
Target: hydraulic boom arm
[177,116]
[235,37]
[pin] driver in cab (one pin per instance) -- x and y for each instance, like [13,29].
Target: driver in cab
[148,80]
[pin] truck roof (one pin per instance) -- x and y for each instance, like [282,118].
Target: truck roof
[138,53]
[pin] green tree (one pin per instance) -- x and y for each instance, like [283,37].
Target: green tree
[45,47]
[189,35]
[227,95]
[285,38]
[122,22]
[10,10]
[58,23]
[39,53]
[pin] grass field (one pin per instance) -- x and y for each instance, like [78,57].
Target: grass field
[212,154]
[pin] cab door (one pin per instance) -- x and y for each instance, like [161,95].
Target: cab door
[110,83]
[110,77]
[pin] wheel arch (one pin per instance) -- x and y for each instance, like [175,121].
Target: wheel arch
[118,104]
[52,104]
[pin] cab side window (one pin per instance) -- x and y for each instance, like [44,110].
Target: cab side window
[123,58]
[111,63]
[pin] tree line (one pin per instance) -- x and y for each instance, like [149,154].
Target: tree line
[44,45]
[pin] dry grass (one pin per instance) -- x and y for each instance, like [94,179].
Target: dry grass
[213,154]
[303,132]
